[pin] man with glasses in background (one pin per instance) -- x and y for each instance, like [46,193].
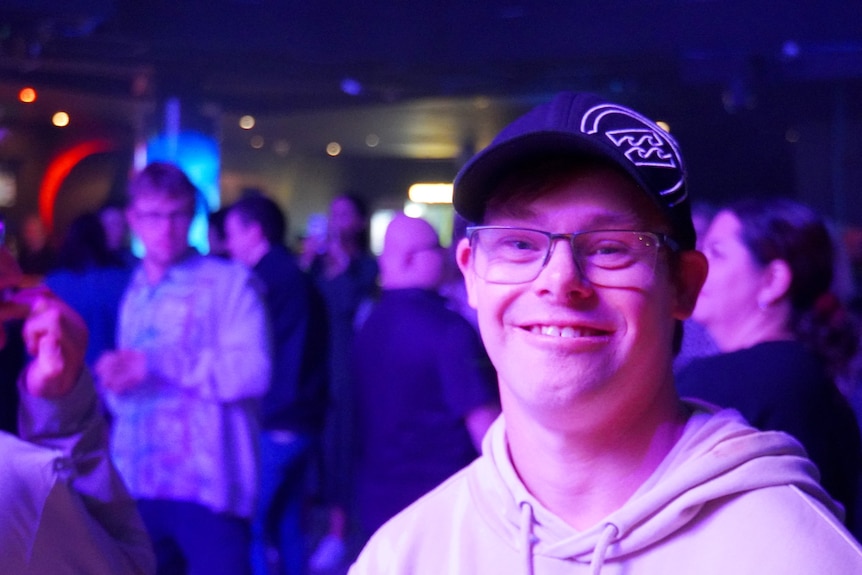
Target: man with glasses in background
[582,267]
[183,387]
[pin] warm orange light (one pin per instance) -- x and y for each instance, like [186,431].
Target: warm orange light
[27,95]
[60,119]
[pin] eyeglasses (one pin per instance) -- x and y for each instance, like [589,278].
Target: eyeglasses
[153,218]
[609,258]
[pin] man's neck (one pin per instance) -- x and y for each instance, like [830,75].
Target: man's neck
[156,271]
[765,325]
[153,271]
[256,253]
[583,476]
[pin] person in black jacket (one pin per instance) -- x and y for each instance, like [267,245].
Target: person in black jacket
[293,410]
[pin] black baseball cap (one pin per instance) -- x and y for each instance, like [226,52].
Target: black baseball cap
[583,125]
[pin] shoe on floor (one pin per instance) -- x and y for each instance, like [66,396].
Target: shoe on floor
[328,555]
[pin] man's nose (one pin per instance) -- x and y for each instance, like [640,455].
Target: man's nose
[562,273]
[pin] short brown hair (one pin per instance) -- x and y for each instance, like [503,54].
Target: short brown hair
[162,178]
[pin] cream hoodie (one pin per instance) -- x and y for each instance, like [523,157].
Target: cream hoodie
[727,499]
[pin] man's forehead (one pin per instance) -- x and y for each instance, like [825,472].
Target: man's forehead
[154,197]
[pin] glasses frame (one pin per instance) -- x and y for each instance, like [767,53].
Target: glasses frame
[154,218]
[661,241]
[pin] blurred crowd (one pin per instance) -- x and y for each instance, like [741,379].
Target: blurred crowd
[272,402]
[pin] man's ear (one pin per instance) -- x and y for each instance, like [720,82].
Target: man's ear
[691,273]
[463,255]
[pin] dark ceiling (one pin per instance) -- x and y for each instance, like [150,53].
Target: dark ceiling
[283,55]
[435,79]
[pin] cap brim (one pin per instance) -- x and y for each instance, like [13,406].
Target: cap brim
[476,182]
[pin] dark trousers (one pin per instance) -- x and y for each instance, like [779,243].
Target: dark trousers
[278,523]
[190,539]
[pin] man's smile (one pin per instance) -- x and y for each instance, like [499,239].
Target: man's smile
[565,331]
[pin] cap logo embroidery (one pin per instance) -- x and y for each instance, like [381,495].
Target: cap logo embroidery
[634,135]
[642,147]
[643,143]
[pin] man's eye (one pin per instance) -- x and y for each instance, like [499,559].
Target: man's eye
[518,244]
[522,245]
[609,249]
[606,253]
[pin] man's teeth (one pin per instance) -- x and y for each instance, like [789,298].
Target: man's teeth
[557,331]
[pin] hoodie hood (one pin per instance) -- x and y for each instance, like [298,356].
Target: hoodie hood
[718,455]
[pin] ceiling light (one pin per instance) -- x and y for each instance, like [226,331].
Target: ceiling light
[351,87]
[60,119]
[428,193]
[27,95]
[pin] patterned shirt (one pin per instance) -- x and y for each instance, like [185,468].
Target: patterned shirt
[189,432]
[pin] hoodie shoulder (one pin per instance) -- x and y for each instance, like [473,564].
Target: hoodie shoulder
[778,530]
[727,499]
[434,534]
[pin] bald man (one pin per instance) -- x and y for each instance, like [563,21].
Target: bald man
[425,385]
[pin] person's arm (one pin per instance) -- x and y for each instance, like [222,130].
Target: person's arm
[59,410]
[230,359]
[74,426]
[235,361]
[237,364]
[469,379]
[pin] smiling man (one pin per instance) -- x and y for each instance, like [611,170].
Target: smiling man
[582,267]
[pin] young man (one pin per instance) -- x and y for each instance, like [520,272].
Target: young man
[63,508]
[293,410]
[425,387]
[581,271]
[184,385]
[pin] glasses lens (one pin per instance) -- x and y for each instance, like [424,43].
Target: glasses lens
[154,218]
[605,258]
[509,255]
[616,258]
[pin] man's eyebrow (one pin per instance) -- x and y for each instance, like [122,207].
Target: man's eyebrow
[615,219]
[515,211]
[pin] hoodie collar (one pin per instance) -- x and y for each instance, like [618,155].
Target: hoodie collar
[717,455]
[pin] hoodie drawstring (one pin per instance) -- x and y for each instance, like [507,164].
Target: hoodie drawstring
[527,537]
[597,561]
[605,539]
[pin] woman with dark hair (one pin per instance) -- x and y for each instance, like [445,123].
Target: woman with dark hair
[346,275]
[783,336]
[91,278]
